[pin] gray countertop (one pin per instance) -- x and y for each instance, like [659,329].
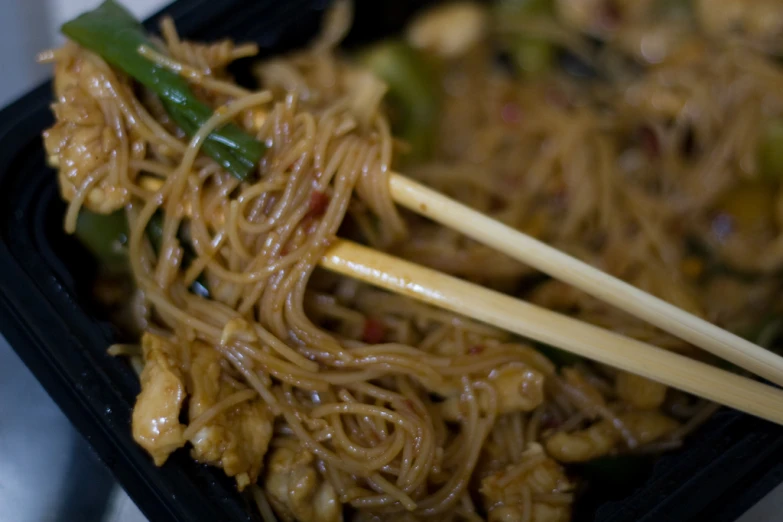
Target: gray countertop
[48,473]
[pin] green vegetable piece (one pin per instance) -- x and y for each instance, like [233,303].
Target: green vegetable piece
[154,232]
[532,56]
[674,10]
[559,358]
[106,237]
[114,34]
[770,153]
[413,93]
[767,333]
[511,8]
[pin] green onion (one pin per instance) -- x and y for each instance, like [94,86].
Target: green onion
[559,358]
[154,232]
[114,34]
[529,55]
[413,93]
[770,153]
[513,8]
[106,237]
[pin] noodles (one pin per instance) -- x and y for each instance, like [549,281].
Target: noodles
[336,398]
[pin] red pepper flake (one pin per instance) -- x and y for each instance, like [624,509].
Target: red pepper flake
[374,331]
[318,203]
[610,16]
[511,114]
[649,142]
[475,350]
[410,405]
[557,98]
[549,422]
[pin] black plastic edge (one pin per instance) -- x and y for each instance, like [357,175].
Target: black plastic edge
[718,488]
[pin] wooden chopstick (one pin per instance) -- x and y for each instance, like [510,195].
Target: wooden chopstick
[601,285]
[557,330]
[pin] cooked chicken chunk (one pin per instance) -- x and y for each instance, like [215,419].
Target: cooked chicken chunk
[506,492]
[584,394]
[86,135]
[641,393]
[449,30]
[517,387]
[601,438]
[155,423]
[235,439]
[296,490]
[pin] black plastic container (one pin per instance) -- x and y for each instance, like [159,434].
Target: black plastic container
[47,316]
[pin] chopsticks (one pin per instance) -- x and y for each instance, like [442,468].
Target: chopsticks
[601,285]
[557,330]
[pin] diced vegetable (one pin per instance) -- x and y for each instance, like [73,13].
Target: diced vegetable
[511,8]
[106,237]
[154,232]
[114,34]
[413,93]
[767,333]
[770,154]
[530,56]
[674,9]
[559,357]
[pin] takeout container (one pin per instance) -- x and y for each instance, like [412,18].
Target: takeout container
[48,317]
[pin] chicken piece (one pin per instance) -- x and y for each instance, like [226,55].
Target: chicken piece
[297,492]
[504,493]
[518,387]
[556,295]
[602,437]
[236,439]
[587,397]
[641,393]
[203,379]
[449,30]
[155,422]
[760,21]
[85,134]
[237,329]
